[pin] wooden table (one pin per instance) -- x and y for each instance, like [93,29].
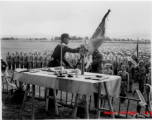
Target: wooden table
[78,85]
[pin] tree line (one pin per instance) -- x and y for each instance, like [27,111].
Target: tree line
[73,38]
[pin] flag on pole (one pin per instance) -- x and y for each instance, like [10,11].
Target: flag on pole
[134,56]
[98,37]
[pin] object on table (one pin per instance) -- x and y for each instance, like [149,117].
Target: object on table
[33,70]
[21,70]
[96,78]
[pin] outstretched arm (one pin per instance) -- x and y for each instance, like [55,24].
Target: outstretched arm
[71,50]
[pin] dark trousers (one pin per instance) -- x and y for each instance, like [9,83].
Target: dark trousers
[13,66]
[9,66]
[31,64]
[96,100]
[131,81]
[26,65]
[141,85]
[123,90]
[115,72]
[21,65]
[17,64]
[34,65]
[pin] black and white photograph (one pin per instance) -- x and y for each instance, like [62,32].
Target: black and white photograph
[75,60]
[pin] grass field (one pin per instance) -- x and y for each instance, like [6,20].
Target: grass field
[26,46]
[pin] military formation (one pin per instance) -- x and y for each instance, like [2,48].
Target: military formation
[29,60]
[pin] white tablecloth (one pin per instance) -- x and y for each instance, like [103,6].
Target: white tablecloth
[75,84]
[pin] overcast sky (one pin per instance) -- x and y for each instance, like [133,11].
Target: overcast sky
[75,18]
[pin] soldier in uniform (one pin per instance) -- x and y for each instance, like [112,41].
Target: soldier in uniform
[28,59]
[13,61]
[38,60]
[141,75]
[8,60]
[31,60]
[17,60]
[97,58]
[25,62]
[56,56]
[44,60]
[124,83]
[130,70]
[35,60]
[21,60]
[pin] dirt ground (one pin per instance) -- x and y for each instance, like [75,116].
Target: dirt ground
[11,109]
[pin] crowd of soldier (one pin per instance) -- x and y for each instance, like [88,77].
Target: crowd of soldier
[113,63]
[27,60]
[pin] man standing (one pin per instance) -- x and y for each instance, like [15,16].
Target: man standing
[21,60]
[31,61]
[141,75]
[17,60]
[8,60]
[35,60]
[124,83]
[13,61]
[56,57]
[25,61]
[97,58]
[130,70]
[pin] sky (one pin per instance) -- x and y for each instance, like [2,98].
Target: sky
[80,18]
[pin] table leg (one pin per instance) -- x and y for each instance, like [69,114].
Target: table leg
[99,101]
[55,102]
[24,100]
[47,99]
[86,107]
[75,106]
[109,101]
[39,91]
[33,100]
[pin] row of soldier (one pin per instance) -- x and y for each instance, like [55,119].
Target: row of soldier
[27,60]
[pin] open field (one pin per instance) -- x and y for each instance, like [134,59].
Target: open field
[26,46]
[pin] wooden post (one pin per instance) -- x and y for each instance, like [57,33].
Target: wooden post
[47,99]
[55,102]
[109,101]
[24,100]
[75,106]
[99,101]
[86,107]
[33,100]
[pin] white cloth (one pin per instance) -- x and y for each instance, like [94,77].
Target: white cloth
[78,84]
